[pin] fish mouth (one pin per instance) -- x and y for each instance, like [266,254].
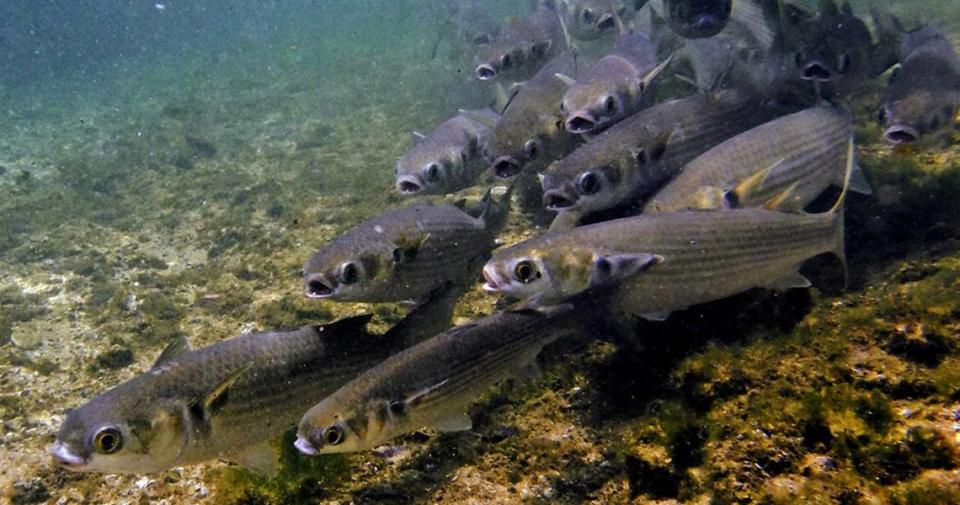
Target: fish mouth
[816,71]
[305,446]
[492,284]
[317,286]
[65,456]
[901,134]
[485,72]
[707,23]
[408,185]
[506,167]
[607,22]
[557,200]
[581,123]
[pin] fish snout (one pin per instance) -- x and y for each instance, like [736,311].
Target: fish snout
[816,71]
[581,123]
[305,446]
[606,22]
[506,167]
[492,278]
[556,199]
[901,134]
[485,72]
[318,286]
[65,456]
[409,185]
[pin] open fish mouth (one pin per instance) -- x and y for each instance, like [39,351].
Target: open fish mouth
[485,72]
[317,286]
[607,22]
[901,134]
[65,456]
[557,200]
[581,123]
[492,284]
[506,167]
[305,446]
[409,185]
[816,71]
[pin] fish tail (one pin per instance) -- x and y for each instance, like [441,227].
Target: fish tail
[495,212]
[837,214]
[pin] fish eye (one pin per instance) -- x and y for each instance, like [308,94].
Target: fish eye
[882,115]
[531,149]
[588,16]
[505,61]
[108,440]
[588,183]
[432,172]
[843,63]
[349,273]
[610,104]
[333,435]
[525,272]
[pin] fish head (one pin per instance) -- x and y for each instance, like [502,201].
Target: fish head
[592,19]
[835,49]
[593,188]
[327,428]
[498,58]
[522,142]
[592,106]
[534,271]
[340,272]
[696,19]
[911,110]
[121,435]
[428,170]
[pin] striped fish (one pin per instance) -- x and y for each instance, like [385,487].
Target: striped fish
[639,154]
[405,254]
[802,152]
[227,401]
[433,383]
[664,262]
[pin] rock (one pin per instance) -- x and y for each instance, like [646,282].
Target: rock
[25,337]
[912,341]
[117,357]
[32,491]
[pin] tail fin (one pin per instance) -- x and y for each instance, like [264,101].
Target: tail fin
[495,212]
[836,211]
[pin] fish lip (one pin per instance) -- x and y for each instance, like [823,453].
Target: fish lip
[901,134]
[581,123]
[408,185]
[485,72]
[506,167]
[816,71]
[557,200]
[317,286]
[492,284]
[65,456]
[305,446]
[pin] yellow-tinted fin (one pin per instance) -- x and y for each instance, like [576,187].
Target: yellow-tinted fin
[653,74]
[785,201]
[754,183]
[217,397]
[420,395]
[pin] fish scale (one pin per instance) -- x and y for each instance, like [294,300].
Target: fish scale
[806,148]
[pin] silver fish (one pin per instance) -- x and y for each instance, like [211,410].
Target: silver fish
[796,156]
[616,86]
[433,383]
[633,158]
[227,401]
[522,47]
[404,254]
[659,263]
[592,19]
[923,94]
[445,160]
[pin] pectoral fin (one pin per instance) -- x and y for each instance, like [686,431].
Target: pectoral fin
[259,458]
[569,81]
[423,393]
[458,421]
[416,138]
[789,281]
[614,267]
[785,201]
[753,184]
[407,247]
[485,120]
[218,396]
[652,75]
[656,316]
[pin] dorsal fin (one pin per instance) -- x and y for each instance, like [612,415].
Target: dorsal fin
[176,347]
[353,324]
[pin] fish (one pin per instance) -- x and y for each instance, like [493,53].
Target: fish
[228,401]
[432,384]
[802,152]
[466,25]
[445,160]
[530,133]
[923,93]
[653,264]
[405,254]
[618,85]
[593,19]
[697,19]
[523,46]
[635,157]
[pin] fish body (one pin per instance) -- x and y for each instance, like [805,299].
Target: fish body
[530,133]
[633,158]
[664,262]
[802,152]
[445,160]
[225,401]
[523,46]
[431,384]
[696,19]
[404,254]
[923,94]
[616,86]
